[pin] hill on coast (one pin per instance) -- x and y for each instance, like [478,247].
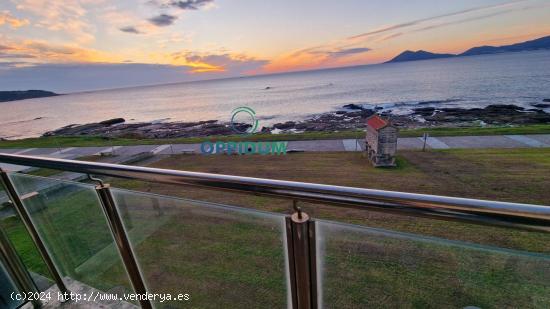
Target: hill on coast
[540,43]
[6,96]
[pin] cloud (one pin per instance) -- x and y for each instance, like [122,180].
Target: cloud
[6,65]
[322,56]
[42,51]
[15,56]
[172,39]
[120,20]
[183,4]
[190,4]
[473,18]
[390,36]
[235,64]
[348,51]
[67,16]
[422,20]
[130,29]
[163,20]
[7,18]
[72,77]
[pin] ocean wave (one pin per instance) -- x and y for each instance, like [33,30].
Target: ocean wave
[438,101]
[415,103]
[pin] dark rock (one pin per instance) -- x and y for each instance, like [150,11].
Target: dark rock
[492,114]
[329,122]
[545,100]
[451,109]
[240,127]
[363,113]
[267,88]
[424,111]
[505,106]
[301,126]
[542,105]
[353,106]
[284,126]
[110,122]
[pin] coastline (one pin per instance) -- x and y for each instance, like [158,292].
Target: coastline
[296,98]
[349,117]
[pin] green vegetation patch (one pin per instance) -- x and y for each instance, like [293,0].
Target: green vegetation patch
[88,141]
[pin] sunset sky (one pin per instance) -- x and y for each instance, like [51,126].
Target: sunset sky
[77,45]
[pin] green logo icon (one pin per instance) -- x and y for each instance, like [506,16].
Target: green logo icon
[252,121]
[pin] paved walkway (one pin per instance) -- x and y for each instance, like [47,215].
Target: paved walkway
[123,153]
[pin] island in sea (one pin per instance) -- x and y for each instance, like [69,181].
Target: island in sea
[6,96]
[540,43]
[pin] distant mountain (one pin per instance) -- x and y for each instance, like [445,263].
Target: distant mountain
[6,96]
[418,55]
[541,43]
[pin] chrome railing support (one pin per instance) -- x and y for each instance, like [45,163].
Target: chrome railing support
[123,243]
[16,268]
[300,231]
[33,232]
[484,212]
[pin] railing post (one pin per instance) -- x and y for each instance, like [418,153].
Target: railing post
[35,236]
[16,268]
[122,242]
[300,230]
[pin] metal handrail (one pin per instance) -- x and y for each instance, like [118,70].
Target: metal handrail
[485,212]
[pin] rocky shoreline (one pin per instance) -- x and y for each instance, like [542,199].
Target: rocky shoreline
[351,116]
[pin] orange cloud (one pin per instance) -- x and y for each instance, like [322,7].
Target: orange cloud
[43,52]
[196,62]
[7,18]
[66,16]
[319,57]
[202,62]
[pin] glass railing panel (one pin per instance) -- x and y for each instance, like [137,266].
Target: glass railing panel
[70,221]
[361,267]
[221,256]
[7,290]
[24,246]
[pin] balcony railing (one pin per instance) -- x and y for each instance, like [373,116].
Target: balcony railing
[123,241]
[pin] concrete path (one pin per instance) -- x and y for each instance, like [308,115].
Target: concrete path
[122,153]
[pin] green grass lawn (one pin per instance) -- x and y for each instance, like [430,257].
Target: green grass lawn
[44,172]
[83,141]
[71,222]
[225,257]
